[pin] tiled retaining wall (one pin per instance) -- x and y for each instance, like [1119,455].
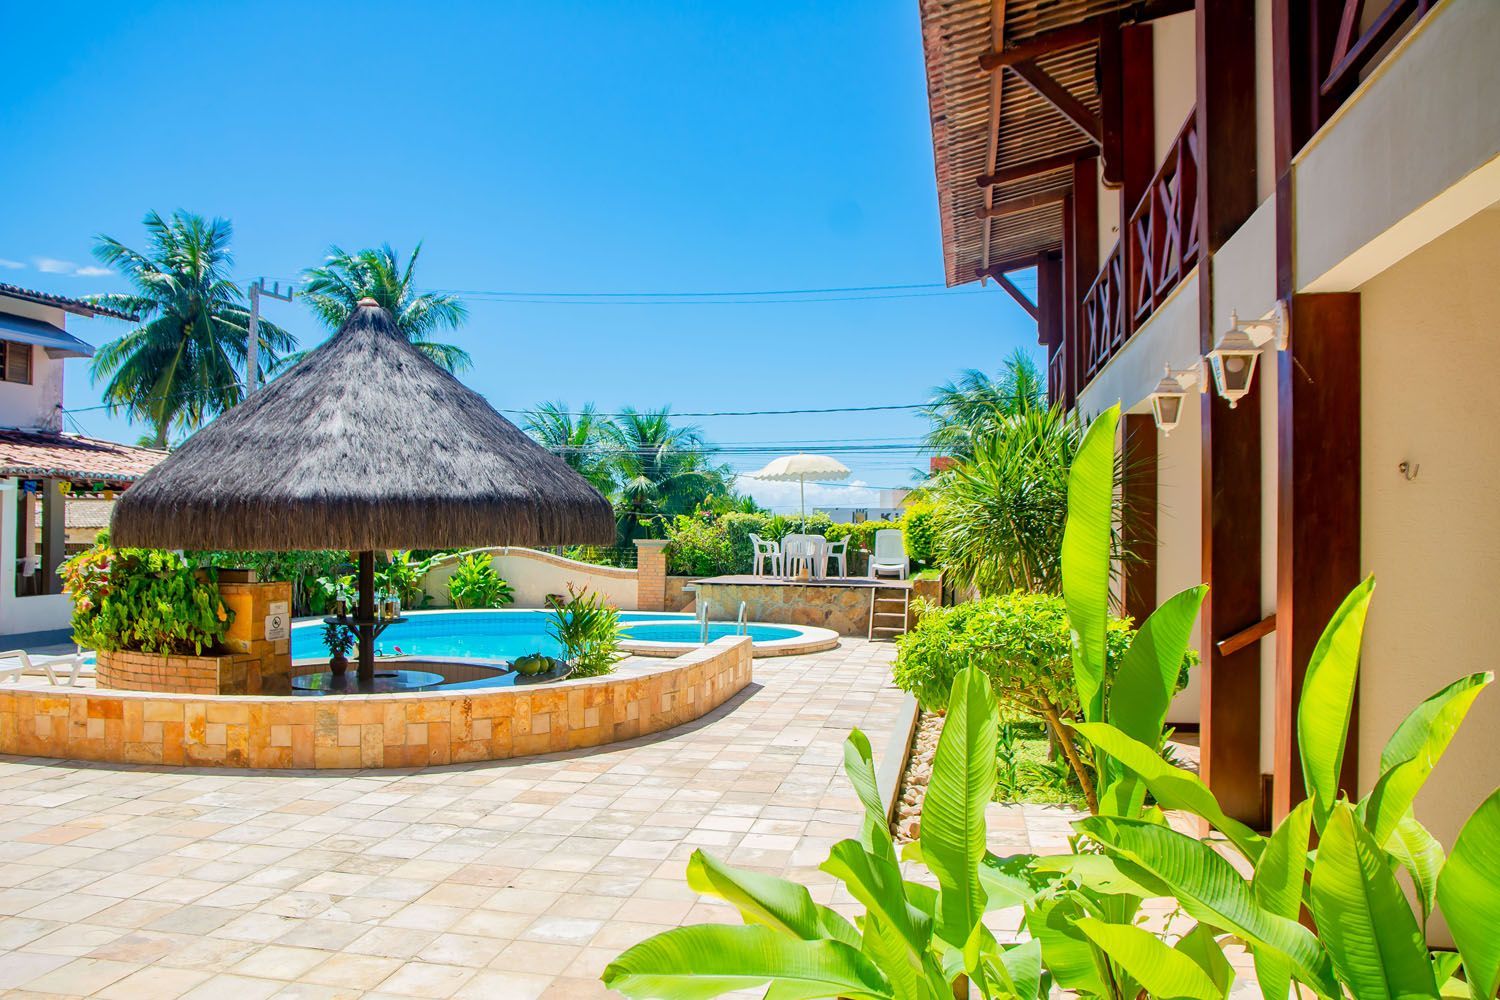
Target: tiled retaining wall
[385,730]
[846,610]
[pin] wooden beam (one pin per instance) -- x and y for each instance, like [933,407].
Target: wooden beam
[1109,76]
[1034,168]
[1231,493]
[1138,517]
[1084,237]
[1139,120]
[1049,302]
[1021,300]
[1066,37]
[1246,636]
[1060,98]
[1017,263]
[1015,206]
[1317,510]
[1079,33]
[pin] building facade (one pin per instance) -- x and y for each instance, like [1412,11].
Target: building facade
[42,469]
[1326,174]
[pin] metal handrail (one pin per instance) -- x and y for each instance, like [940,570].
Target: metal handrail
[740,628]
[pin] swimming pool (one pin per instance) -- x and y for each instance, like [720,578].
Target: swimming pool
[470,635]
[505,635]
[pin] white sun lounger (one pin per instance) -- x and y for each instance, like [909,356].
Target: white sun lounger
[16,662]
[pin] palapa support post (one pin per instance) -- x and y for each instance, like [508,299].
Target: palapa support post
[365,615]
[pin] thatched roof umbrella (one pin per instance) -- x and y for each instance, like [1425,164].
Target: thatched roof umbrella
[365,444]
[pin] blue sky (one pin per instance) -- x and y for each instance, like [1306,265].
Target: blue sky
[602,147]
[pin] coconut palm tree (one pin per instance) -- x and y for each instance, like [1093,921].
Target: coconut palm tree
[334,289]
[182,364]
[962,409]
[661,468]
[579,439]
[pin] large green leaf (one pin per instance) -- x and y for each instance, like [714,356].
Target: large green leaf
[1066,953]
[1414,750]
[1422,856]
[1021,969]
[1200,945]
[1162,971]
[1174,787]
[1210,890]
[1279,880]
[1362,915]
[1086,557]
[1147,675]
[707,960]
[769,901]
[876,882]
[961,786]
[859,765]
[1097,872]
[1328,699]
[1469,893]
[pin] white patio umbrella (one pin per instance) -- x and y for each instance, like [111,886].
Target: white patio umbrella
[799,469]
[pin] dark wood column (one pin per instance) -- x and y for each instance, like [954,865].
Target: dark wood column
[1070,314]
[1318,410]
[1318,510]
[1138,523]
[1139,118]
[54,535]
[1231,436]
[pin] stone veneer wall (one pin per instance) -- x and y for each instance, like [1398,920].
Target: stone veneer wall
[846,610]
[354,731]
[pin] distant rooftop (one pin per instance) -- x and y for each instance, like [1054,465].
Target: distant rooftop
[78,307]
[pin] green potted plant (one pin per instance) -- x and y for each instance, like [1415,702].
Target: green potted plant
[340,641]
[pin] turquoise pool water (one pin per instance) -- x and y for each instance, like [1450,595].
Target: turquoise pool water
[505,635]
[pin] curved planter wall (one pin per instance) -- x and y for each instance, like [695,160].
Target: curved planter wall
[364,731]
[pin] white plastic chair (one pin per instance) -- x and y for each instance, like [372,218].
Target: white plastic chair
[890,554]
[15,662]
[835,552]
[800,550]
[766,552]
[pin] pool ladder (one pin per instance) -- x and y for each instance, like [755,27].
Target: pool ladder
[740,626]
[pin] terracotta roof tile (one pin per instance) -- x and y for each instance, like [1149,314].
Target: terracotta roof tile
[78,306]
[43,454]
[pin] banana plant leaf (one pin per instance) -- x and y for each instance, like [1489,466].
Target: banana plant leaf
[1469,893]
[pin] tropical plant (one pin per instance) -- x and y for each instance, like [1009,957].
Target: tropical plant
[579,439]
[334,588]
[302,569]
[661,469]
[966,408]
[403,574]
[182,365]
[339,640]
[1023,643]
[588,630]
[476,584]
[147,600]
[334,288]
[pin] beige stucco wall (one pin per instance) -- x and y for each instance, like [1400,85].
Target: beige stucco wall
[1432,543]
[1170,334]
[1359,188]
[535,574]
[1179,545]
[1174,76]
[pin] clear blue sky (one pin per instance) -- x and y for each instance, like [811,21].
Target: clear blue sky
[603,147]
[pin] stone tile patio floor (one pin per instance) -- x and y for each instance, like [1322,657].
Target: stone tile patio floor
[504,880]
[511,879]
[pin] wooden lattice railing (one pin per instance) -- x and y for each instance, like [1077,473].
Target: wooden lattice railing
[1163,229]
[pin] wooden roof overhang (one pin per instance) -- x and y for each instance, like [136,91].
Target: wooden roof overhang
[1013,90]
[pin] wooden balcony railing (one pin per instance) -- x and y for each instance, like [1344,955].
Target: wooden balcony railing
[1162,243]
[1159,246]
[1057,375]
[1352,53]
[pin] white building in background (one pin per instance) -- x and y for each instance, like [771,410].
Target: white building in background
[888,507]
[40,466]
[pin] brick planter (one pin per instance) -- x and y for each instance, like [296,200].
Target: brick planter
[231,673]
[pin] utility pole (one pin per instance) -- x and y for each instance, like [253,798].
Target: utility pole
[252,346]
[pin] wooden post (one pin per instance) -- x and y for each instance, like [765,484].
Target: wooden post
[1070,312]
[1231,525]
[1138,523]
[1085,242]
[366,616]
[54,535]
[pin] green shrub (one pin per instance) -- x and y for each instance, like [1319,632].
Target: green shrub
[589,631]
[1020,640]
[919,524]
[146,600]
[301,569]
[475,584]
[404,574]
[697,546]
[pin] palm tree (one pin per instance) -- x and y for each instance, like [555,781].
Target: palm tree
[182,365]
[662,470]
[962,409]
[579,439]
[334,289]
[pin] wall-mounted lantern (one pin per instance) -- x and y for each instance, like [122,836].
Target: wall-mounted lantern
[1171,392]
[1233,357]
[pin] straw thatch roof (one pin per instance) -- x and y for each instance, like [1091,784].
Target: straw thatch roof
[365,444]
